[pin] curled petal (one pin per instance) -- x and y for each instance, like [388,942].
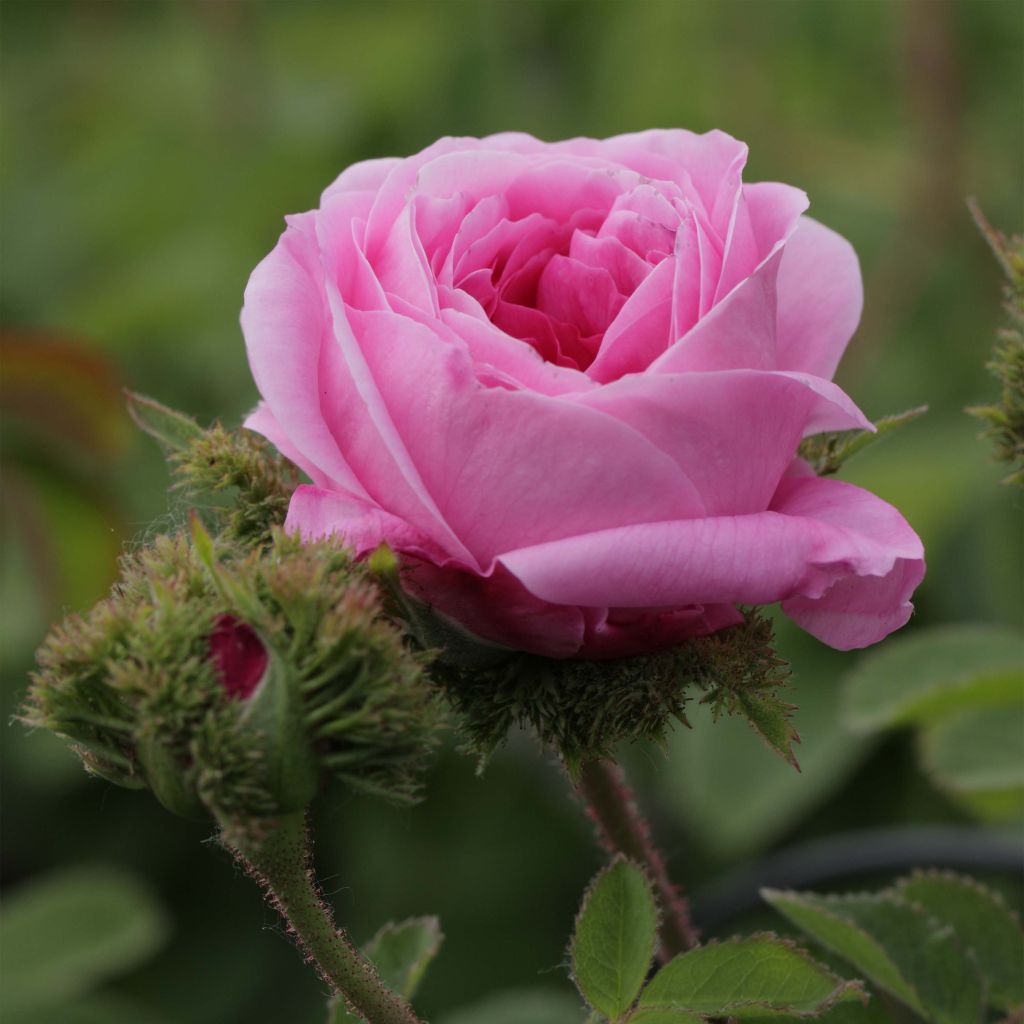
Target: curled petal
[818,533]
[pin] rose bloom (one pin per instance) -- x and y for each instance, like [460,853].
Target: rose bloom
[566,383]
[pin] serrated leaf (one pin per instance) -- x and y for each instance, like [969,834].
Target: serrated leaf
[933,672]
[173,430]
[661,1015]
[755,976]
[62,935]
[850,1012]
[613,942]
[827,452]
[770,716]
[977,757]
[402,952]
[894,944]
[983,924]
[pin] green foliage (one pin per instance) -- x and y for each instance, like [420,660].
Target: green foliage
[401,953]
[963,688]
[236,465]
[983,925]
[827,452]
[614,938]
[174,431]
[930,672]
[585,709]
[661,1015]
[732,797]
[1005,418]
[976,757]
[64,935]
[133,686]
[750,976]
[943,946]
[757,976]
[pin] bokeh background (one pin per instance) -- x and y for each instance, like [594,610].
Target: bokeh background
[148,152]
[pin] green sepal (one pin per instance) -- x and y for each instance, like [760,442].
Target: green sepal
[172,784]
[172,430]
[827,452]
[270,724]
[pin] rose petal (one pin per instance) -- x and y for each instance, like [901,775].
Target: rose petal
[819,533]
[315,513]
[820,296]
[735,460]
[639,334]
[540,467]
[284,323]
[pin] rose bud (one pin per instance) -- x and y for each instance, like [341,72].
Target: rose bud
[239,654]
[232,681]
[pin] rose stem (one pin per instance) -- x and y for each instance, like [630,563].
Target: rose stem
[277,853]
[622,828]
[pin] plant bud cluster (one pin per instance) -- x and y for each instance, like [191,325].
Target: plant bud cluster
[233,680]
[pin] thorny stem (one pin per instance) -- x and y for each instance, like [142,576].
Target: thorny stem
[622,828]
[277,853]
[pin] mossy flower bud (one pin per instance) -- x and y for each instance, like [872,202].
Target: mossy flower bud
[234,681]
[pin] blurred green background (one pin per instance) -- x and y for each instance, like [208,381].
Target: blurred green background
[147,154]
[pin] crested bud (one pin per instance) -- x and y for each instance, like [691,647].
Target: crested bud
[230,679]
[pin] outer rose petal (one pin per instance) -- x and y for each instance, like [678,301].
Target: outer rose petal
[261,420]
[284,323]
[316,513]
[735,461]
[820,296]
[820,532]
[498,608]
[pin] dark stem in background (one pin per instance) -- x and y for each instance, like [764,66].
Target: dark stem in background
[277,853]
[622,828]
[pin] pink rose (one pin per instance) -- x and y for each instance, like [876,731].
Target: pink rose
[566,383]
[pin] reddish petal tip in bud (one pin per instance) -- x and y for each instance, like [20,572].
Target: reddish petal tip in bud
[239,655]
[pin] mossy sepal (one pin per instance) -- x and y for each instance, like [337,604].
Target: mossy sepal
[142,688]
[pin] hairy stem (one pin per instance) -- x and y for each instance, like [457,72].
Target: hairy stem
[622,828]
[277,853]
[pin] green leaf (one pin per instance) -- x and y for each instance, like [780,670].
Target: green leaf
[172,430]
[520,1006]
[663,1015]
[755,976]
[827,452]
[977,757]
[933,672]
[896,945]
[402,952]
[613,942]
[63,935]
[850,1012]
[983,924]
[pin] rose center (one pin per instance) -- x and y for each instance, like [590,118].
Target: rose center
[560,286]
